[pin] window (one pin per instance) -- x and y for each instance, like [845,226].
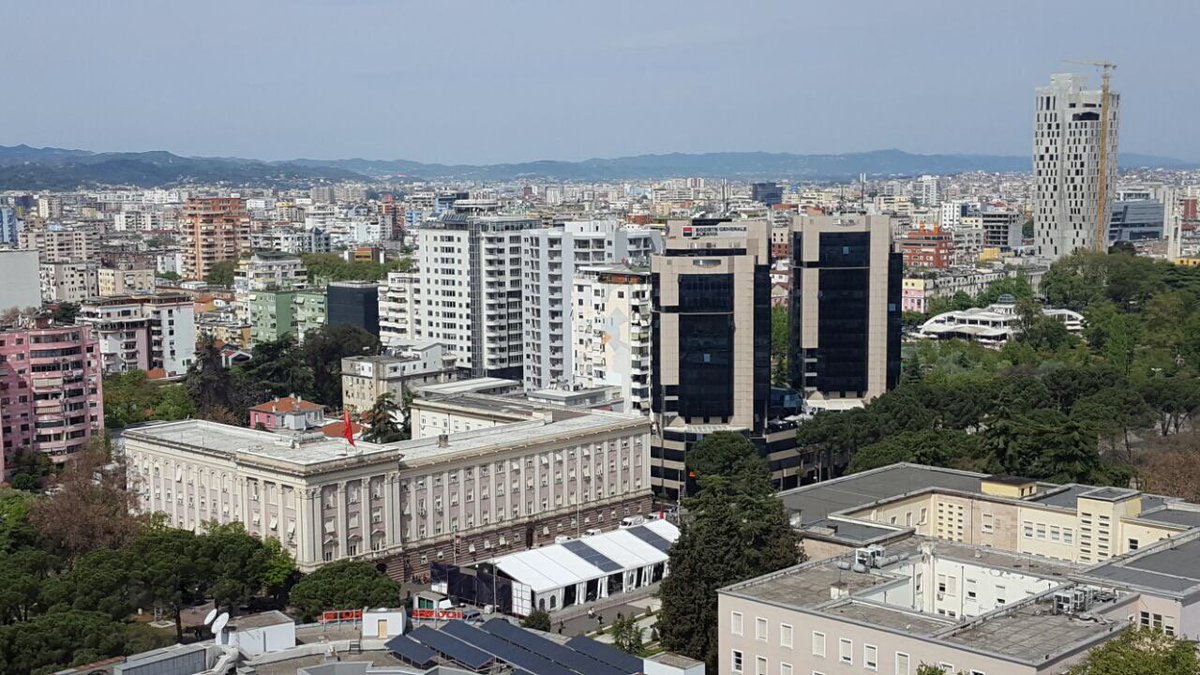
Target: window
[785,635]
[1041,531]
[735,623]
[1068,535]
[1055,533]
[760,665]
[818,646]
[870,657]
[971,589]
[948,667]
[1000,592]
[977,672]
[760,629]
[1028,529]
[785,669]
[924,516]
[902,663]
[987,524]
[736,665]
[1133,544]
[846,651]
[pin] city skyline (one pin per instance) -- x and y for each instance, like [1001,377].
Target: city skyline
[363,79]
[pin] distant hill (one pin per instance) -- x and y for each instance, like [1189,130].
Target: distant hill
[26,168]
[743,165]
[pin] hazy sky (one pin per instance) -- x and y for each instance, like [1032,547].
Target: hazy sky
[515,80]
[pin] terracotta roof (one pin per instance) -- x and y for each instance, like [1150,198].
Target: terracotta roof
[156,374]
[288,404]
[334,429]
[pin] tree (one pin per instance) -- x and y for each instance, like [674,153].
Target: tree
[131,398]
[1174,472]
[627,635]
[735,529]
[49,642]
[209,383]
[344,584]
[235,564]
[324,349]
[221,274]
[16,532]
[720,454]
[101,581]
[381,419]
[169,571]
[935,447]
[538,619]
[780,344]
[280,571]
[90,507]
[169,276]
[278,368]
[64,313]
[1141,651]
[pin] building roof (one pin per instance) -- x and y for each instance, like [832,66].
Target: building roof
[262,619]
[815,502]
[288,404]
[1170,567]
[317,453]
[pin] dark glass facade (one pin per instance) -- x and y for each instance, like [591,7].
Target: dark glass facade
[766,193]
[353,306]
[840,362]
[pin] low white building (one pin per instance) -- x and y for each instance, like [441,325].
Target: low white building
[366,378]
[992,325]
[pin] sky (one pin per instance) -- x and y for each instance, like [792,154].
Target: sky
[495,81]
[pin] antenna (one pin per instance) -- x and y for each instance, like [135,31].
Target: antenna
[212,614]
[218,627]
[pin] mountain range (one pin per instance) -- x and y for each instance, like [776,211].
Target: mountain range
[26,168]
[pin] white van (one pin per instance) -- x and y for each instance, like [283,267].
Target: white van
[632,521]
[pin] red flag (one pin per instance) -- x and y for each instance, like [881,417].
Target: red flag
[348,430]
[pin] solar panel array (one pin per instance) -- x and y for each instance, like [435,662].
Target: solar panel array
[653,538]
[452,648]
[566,656]
[602,652]
[528,653]
[591,555]
[412,651]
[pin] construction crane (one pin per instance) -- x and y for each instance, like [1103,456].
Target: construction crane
[1100,243]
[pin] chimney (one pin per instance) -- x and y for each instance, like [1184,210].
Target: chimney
[443,441]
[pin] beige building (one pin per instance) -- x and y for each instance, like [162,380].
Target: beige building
[978,574]
[846,289]
[366,378]
[68,281]
[458,497]
[124,281]
[78,243]
[710,338]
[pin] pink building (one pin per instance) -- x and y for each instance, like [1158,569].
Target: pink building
[288,413]
[51,397]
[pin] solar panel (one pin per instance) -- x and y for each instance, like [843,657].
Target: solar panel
[504,650]
[602,652]
[653,538]
[570,658]
[451,648]
[412,651]
[592,556]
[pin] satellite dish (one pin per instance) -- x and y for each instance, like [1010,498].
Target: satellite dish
[212,614]
[219,625]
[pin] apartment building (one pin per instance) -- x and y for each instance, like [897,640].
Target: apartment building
[118,281]
[10,227]
[51,395]
[1066,164]
[974,573]
[143,332]
[60,243]
[459,497]
[20,280]
[353,303]
[264,271]
[552,258]
[610,332]
[470,274]
[366,378]
[926,249]
[286,238]
[69,281]
[845,327]
[399,313]
[214,229]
